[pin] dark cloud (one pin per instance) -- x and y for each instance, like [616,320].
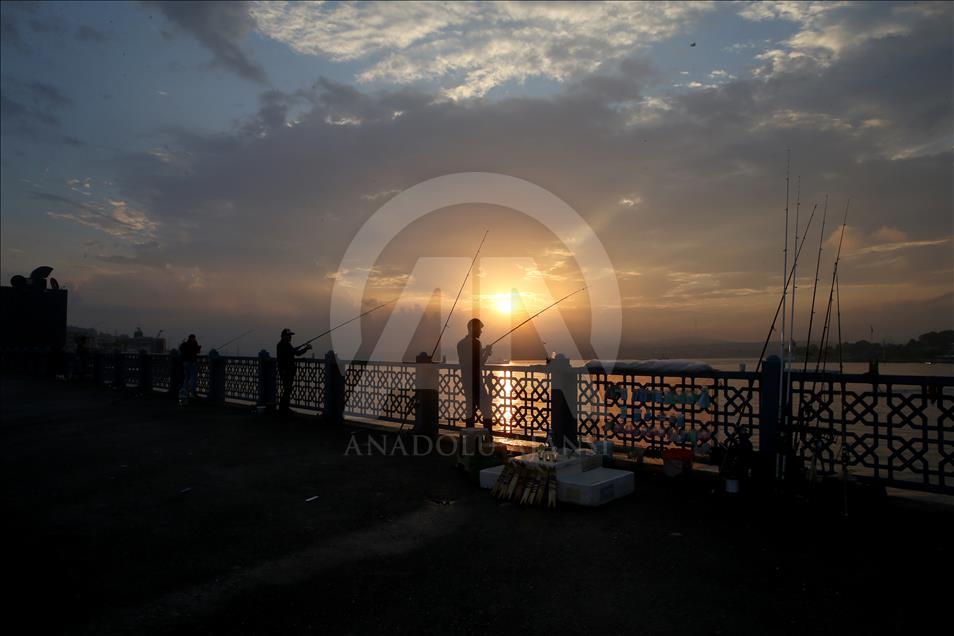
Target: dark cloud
[220,27]
[48,24]
[12,16]
[47,95]
[10,31]
[31,108]
[623,81]
[86,33]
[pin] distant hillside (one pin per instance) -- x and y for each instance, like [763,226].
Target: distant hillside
[695,348]
[934,346]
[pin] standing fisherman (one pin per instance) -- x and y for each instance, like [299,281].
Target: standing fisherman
[286,367]
[473,356]
[189,354]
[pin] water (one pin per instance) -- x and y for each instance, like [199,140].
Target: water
[885,368]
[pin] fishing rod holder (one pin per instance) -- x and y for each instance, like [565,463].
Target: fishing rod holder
[335,385]
[216,377]
[426,396]
[563,399]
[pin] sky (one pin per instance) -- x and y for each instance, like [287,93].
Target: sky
[202,167]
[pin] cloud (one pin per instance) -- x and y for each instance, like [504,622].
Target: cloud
[471,48]
[828,30]
[884,240]
[31,108]
[110,216]
[707,167]
[10,27]
[86,33]
[220,27]
[683,187]
[630,201]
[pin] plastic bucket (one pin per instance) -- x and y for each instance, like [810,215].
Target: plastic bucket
[676,461]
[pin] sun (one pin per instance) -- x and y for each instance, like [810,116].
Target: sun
[503,304]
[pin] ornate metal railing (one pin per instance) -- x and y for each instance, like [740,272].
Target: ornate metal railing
[520,399]
[161,372]
[241,379]
[667,410]
[379,390]
[895,429]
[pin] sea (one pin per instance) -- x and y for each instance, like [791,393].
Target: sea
[750,364]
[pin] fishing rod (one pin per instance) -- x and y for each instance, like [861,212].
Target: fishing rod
[834,274]
[778,310]
[811,317]
[822,360]
[788,280]
[796,437]
[459,291]
[325,333]
[225,344]
[535,315]
[791,324]
[844,425]
[841,358]
[788,359]
[781,342]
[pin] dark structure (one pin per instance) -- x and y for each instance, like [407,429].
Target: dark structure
[33,313]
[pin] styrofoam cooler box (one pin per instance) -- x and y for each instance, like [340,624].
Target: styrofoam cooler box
[562,465]
[594,487]
[591,488]
[488,476]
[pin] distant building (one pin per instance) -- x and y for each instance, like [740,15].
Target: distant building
[149,344]
[96,340]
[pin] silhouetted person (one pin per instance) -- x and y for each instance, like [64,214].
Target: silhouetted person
[472,358]
[189,354]
[286,353]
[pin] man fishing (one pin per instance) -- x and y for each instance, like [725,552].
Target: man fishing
[473,356]
[286,353]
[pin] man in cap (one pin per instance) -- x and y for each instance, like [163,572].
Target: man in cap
[472,356]
[286,353]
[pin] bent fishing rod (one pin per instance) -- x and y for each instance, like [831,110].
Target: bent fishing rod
[459,291]
[325,333]
[535,315]
[228,342]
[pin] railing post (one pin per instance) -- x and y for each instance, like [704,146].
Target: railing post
[175,374]
[216,377]
[98,368]
[769,401]
[563,403]
[334,389]
[119,370]
[426,378]
[266,380]
[145,371]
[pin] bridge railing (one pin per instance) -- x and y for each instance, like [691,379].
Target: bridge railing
[668,409]
[893,428]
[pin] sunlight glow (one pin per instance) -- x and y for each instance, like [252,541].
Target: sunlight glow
[503,304]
